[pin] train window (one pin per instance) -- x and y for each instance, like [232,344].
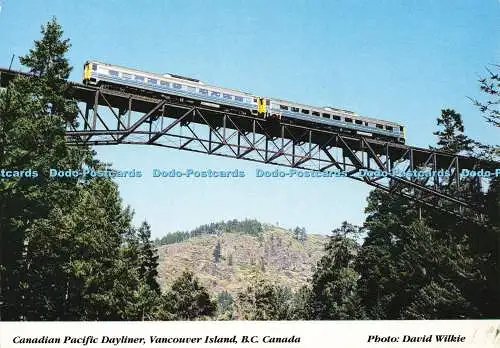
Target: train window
[203,91]
[348,120]
[139,78]
[215,94]
[366,124]
[227,96]
[389,128]
[94,67]
[326,115]
[177,85]
[113,72]
[164,83]
[358,121]
[255,100]
[283,107]
[315,113]
[380,126]
[191,89]
[126,76]
[238,98]
[304,111]
[295,109]
[401,128]
[335,117]
[152,81]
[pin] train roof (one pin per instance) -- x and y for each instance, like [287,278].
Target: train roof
[331,109]
[176,77]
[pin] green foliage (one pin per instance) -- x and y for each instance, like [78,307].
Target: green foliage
[333,294]
[247,226]
[148,258]
[436,267]
[174,237]
[68,251]
[36,223]
[400,268]
[217,252]
[225,306]
[415,263]
[302,304]
[187,299]
[490,85]
[299,233]
[451,138]
[265,301]
[436,301]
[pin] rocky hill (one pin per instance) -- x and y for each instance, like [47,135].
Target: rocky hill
[227,261]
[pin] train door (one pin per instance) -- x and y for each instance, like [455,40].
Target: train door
[86,73]
[262,106]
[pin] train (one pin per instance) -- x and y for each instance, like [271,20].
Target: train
[326,117]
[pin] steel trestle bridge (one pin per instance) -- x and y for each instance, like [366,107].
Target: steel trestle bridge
[112,116]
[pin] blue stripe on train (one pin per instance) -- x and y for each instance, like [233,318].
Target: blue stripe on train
[177,91]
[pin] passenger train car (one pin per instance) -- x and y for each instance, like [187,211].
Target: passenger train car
[97,73]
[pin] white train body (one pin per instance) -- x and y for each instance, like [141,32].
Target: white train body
[217,97]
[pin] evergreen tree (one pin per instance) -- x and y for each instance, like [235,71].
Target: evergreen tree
[490,85]
[225,306]
[486,245]
[33,114]
[299,233]
[67,250]
[420,261]
[302,304]
[333,294]
[262,300]
[148,258]
[435,267]
[187,299]
[217,252]
[452,138]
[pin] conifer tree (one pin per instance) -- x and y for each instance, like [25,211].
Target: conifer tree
[452,138]
[262,300]
[33,113]
[148,258]
[217,252]
[187,299]
[490,85]
[435,267]
[61,239]
[333,293]
[225,306]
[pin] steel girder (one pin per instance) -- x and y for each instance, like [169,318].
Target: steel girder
[116,117]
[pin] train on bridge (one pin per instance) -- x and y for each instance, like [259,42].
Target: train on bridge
[194,91]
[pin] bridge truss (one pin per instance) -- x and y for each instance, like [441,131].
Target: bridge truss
[116,117]
[110,117]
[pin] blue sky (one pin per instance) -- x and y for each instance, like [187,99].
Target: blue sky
[396,60]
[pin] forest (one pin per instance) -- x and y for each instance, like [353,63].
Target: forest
[247,226]
[69,250]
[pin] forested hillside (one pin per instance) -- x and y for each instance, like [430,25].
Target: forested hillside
[248,226]
[69,251]
[227,261]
